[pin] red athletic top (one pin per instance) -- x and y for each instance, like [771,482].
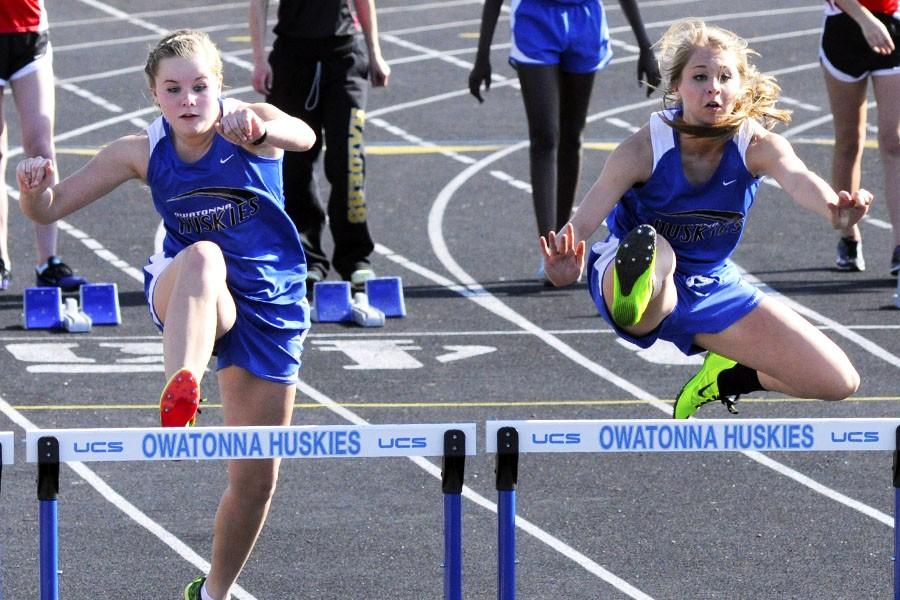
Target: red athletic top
[887,7]
[22,16]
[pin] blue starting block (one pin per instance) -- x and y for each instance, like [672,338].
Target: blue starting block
[43,308]
[100,301]
[331,302]
[334,303]
[386,294]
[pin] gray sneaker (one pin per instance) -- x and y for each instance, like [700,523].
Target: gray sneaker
[360,276]
[850,255]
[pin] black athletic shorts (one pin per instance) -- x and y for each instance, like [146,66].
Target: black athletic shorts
[19,50]
[847,55]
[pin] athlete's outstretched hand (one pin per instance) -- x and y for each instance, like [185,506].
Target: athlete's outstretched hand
[850,208]
[34,175]
[563,259]
[242,126]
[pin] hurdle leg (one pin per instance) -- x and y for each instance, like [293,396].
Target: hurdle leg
[1,546]
[896,514]
[48,488]
[451,485]
[507,476]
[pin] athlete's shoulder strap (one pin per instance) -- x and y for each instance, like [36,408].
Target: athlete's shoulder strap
[661,135]
[744,136]
[155,132]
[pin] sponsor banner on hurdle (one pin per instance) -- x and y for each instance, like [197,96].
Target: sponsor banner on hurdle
[216,443]
[698,435]
[6,439]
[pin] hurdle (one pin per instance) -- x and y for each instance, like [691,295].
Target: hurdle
[51,447]
[507,439]
[6,458]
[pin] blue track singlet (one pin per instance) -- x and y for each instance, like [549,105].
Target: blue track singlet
[703,224]
[234,199]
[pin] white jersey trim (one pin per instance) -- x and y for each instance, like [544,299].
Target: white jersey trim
[662,137]
[155,132]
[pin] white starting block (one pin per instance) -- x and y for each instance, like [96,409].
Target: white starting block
[44,308]
[383,298]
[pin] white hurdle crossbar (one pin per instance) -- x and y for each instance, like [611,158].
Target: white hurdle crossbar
[218,443]
[50,447]
[509,438]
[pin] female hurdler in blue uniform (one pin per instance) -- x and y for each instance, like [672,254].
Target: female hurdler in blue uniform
[675,196]
[232,271]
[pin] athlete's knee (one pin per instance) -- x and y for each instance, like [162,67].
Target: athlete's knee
[665,258]
[544,139]
[889,143]
[37,137]
[848,148]
[255,486]
[843,382]
[205,262]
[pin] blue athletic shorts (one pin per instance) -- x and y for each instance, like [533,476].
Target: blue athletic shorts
[573,35]
[264,340]
[706,303]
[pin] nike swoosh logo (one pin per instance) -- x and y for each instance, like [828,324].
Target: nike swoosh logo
[222,161]
[702,390]
[729,182]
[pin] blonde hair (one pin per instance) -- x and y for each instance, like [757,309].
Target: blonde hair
[759,92]
[184,43]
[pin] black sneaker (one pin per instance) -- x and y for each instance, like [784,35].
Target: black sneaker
[56,273]
[849,255]
[5,275]
[895,261]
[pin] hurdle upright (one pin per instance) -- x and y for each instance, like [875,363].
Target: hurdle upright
[508,438]
[50,447]
[6,450]
[6,458]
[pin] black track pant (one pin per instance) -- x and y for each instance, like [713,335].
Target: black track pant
[324,83]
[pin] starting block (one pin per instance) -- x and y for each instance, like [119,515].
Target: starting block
[386,294]
[44,308]
[100,301]
[333,303]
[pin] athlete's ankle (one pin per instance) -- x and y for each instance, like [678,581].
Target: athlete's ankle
[738,380]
